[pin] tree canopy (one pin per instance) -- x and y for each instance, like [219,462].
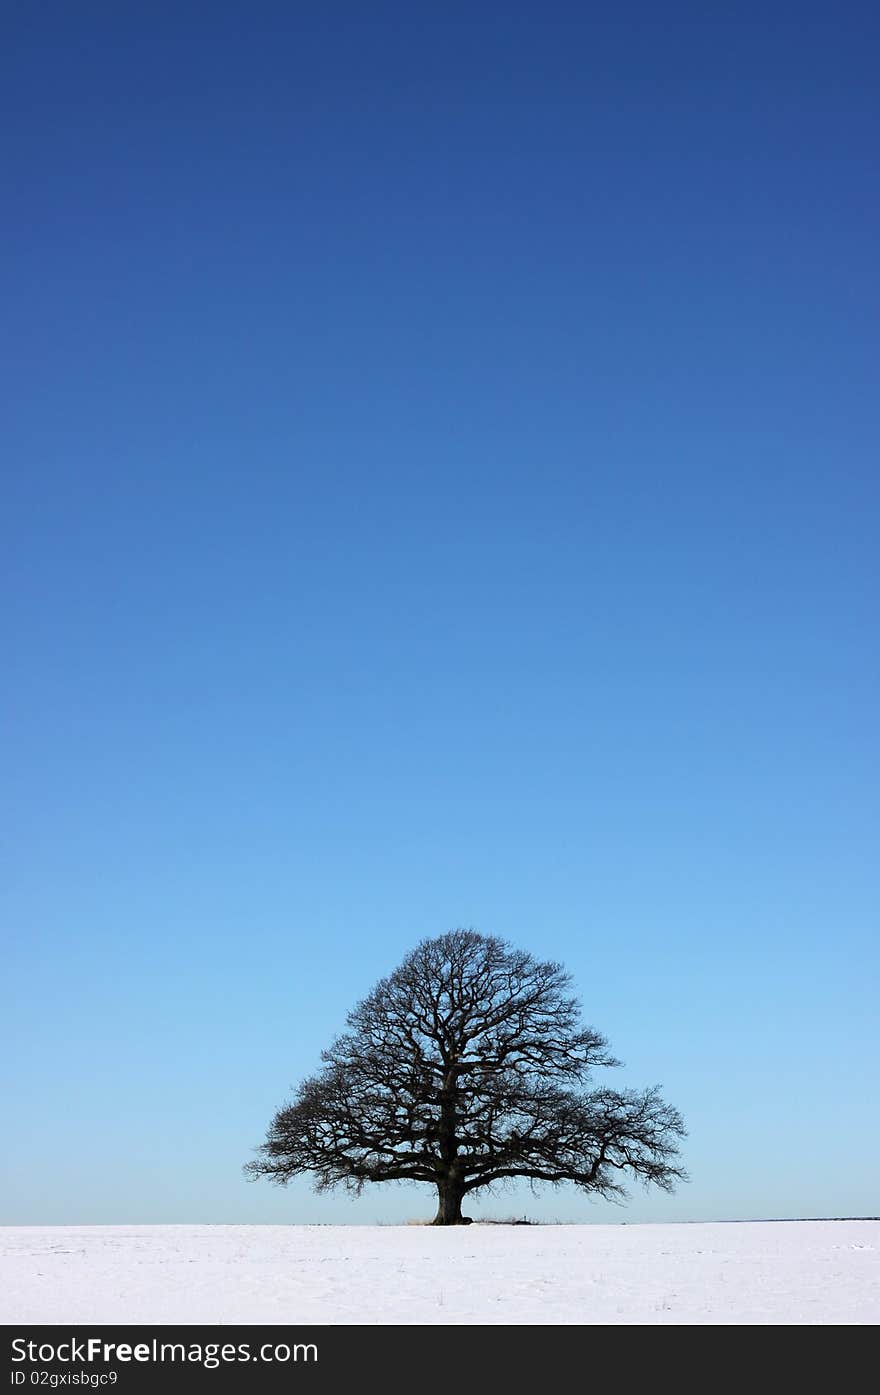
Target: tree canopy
[465,1067]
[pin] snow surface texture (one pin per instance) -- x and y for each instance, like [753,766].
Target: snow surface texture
[756,1272]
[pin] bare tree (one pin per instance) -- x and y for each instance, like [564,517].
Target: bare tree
[462,1069]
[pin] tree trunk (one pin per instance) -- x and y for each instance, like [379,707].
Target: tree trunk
[451,1194]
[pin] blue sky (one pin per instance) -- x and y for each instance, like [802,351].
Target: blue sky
[440,489]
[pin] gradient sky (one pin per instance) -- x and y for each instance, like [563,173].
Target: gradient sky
[440,489]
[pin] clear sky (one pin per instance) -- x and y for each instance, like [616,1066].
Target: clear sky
[440,489]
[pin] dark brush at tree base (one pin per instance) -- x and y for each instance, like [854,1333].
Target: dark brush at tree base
[465,1067]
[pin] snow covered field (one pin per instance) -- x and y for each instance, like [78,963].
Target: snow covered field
[757,1272]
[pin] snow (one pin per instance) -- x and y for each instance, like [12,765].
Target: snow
[755,1272]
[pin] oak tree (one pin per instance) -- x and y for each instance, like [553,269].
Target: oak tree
[468,1066]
